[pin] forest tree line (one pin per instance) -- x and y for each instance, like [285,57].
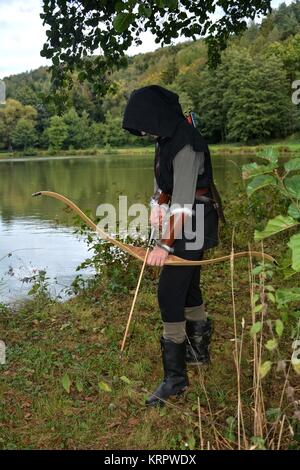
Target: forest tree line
[246,99]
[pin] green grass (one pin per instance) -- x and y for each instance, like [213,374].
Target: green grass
[79,340]
[231,149]
[79,153]
[285,147]
[82,340]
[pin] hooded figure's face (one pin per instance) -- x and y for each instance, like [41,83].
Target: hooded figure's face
[152,110]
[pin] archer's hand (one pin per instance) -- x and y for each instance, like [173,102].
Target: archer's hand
[157,257]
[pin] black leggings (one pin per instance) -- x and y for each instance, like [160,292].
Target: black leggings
[179,285]
[179,288]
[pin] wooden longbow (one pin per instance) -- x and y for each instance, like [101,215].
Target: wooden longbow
[140,252]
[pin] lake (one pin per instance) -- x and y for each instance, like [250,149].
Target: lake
[38,233]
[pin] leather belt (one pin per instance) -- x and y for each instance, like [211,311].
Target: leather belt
[200,192]
[200,195]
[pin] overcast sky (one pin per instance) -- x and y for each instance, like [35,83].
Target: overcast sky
[22,36]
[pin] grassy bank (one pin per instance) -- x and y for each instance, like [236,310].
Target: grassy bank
[79,152]
[284,148]
[65,385]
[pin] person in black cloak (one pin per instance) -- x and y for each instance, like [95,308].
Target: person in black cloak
[183,183]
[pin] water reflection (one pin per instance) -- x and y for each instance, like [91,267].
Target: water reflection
[40,229]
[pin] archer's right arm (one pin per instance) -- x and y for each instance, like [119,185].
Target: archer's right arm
[159,204]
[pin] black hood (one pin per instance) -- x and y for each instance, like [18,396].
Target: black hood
[154,110]
[157,111]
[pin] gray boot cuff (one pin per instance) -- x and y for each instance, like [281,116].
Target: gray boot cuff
[174,331]
[195,313]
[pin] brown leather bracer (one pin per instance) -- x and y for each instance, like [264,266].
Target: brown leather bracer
[159,197]
[175,225]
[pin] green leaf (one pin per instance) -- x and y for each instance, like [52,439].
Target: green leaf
[125,379]
[271,297]
[253,169]
[270,288]
[279,327]
[288,272]
[257,270]
[255,328]
[260,182]
[258,308]
[191,442]
[269,154]
[230,421]
[295,314]
[276,225]
[293,211]
[292,185]
[55,60]
[144,11]
[120,6]
[273,414]
[79,385]
[286,295]
[163,410]
[171,4]
[294,245]
[271,344]
[122,21]
[104,387]
[82,75]
[66,383]
[296,368]
[292,165]
[265,368]
[258,442]
[286,260]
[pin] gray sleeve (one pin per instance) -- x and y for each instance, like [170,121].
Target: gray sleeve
[187,164]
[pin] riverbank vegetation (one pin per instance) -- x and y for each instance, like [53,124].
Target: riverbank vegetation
[246,100]
[284,148]
[65,385]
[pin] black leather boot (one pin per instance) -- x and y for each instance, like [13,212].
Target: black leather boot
[199,335]
[175,377]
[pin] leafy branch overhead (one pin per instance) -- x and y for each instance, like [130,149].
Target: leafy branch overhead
[106,30]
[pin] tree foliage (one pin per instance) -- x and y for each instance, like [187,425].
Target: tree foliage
[77,129]
[247,98]
[24,134]
[76,30]
[56,133]
[256,100]
[10,115]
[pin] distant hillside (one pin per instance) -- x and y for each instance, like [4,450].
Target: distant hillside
[246,99]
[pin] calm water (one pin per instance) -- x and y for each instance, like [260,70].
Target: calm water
[38,232]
